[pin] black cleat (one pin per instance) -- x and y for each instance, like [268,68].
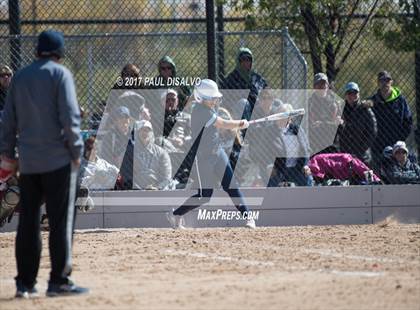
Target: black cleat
[55,290]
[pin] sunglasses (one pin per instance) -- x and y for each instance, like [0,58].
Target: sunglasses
[385,80]
[6,75]
[352,92]
[246,59]
[163,68]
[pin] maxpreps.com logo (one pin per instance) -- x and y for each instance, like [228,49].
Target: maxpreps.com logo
[219,214]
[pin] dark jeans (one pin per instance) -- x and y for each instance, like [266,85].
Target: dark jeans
[208,168]
[289,174]
[58,189]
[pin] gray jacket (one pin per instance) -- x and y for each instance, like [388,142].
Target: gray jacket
[42,118]
[152,167]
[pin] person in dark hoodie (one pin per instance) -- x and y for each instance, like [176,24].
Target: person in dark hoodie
[244,77]
[167,69]
[358,131]
[393,116]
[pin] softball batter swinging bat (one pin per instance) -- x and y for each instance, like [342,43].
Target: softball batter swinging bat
[278,116]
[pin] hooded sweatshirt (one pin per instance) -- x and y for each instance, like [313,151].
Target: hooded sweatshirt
[394,119]
[183,91]
[245,74]
[170,61]
[240,78]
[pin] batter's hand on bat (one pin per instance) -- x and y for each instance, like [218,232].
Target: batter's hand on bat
[243,124]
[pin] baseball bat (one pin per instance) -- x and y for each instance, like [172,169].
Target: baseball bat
[278,116]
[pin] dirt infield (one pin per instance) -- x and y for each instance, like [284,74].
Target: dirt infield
[326,267]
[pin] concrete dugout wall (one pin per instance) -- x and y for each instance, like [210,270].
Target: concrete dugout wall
[276,206]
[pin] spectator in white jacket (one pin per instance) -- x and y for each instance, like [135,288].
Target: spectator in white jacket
[96,173]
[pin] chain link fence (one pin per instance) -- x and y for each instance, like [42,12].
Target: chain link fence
[367,55]
[103,36]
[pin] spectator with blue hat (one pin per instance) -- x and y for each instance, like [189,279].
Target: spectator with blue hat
[358,131]
[117,145]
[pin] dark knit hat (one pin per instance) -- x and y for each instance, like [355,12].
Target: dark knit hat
[50,43]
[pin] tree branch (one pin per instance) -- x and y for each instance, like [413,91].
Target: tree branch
[356,38]
[313,35]
[346,27]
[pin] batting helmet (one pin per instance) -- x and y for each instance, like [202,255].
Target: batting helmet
[207,90]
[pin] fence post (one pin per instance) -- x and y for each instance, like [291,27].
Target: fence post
[15,31]
[220,48]
[417,93]
[91,78]
[211,40]
[284,62]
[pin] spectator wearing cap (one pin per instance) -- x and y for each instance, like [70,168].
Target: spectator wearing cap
[122,120]
[385,163]
[323,116]
[358,131]
[393,116]
[167,69]
[401,170]
[170,103]
[176,127]
[153,169]
[5,78]
[117,145]
[175,135]
[136,104]
[41,118]
[245,77]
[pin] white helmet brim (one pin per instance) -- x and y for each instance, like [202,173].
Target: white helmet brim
[207,90]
